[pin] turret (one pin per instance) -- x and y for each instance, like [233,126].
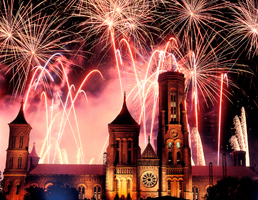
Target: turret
[122,153]
[17,156]
[173,144]
[33,158]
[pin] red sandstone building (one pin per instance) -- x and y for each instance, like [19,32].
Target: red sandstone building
[128,172]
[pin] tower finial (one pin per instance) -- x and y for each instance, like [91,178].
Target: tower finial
[22,103]
[149,139]
[124,96]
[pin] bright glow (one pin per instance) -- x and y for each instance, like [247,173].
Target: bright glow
[239,141]
[219,128]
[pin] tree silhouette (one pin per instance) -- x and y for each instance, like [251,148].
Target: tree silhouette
[232,188]
[55,192]
[34,193]
[60,192]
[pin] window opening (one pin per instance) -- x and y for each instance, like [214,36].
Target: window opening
[8,188]
[173,105]
[19,162]
[170,145]
[129,157]
[178,152]
[21,141]
[128,187]
[170,157]
[98,193]
[81,191]
[17,188]
[13,141]
[11,163]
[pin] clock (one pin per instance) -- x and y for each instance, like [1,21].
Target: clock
[173,133]
[149,179]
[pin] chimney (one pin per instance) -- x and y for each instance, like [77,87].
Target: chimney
[239,158]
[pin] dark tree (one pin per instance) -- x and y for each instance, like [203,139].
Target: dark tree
[231,188]
[2,195]
[34,193]
[60,192]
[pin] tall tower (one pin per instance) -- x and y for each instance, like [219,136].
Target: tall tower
[122,154]
[17,157]
[173,145]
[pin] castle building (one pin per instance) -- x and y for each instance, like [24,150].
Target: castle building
[127,173]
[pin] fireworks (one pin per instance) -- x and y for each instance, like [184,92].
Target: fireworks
[118,19]
[239,141]
[244,28]
[28,39]
[34,44]
[194,17]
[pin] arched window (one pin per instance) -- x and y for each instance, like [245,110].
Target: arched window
[21,141]
[170,157]
[116,185]
[178,152]
[129,144]
[169,185]
[18,186]
[97,192]
[195,193]
[47,186]
[19,162]
[98,197]
[128,187]
[129,157]
[8,188]
[180,188]
[170,153]
[81,191]
[13,141]
[117,152]
[170,145]
[11,163]
[173,105]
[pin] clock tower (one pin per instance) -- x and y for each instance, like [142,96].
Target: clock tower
[175,171]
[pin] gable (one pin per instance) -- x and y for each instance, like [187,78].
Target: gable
[149,152]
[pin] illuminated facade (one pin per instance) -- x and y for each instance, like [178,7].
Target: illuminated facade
[127,173]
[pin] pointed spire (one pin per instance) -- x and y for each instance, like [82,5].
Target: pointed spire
[33,151]
[124,117]
[149,139]
[20,119]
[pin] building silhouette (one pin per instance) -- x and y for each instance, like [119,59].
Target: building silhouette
[127,173]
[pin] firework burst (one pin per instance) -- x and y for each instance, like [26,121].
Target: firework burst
[191,17]
[117,18]
[27,40]
[244,27]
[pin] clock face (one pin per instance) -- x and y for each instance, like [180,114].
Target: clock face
[174,133]
[149,179]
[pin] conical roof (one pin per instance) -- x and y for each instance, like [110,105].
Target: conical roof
[124,117]
[20,119]
[149,152]
[33,151]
